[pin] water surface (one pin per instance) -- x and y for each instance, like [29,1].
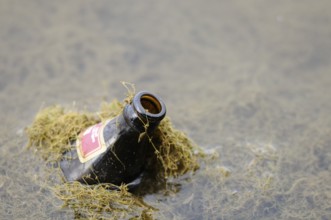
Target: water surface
[247,80]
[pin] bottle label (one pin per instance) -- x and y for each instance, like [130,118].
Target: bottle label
[91,142]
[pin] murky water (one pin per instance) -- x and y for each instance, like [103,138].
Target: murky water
[248,80]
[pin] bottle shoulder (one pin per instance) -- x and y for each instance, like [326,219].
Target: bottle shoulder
[110,131]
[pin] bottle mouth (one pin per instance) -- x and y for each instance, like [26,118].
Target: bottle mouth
[149,105]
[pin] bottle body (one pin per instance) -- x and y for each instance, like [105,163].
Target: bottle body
[114,151]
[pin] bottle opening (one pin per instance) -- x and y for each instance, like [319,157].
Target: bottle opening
[145,107]
[150,104]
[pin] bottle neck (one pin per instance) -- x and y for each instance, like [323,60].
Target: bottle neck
[145,112]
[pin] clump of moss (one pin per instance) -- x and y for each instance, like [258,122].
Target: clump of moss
[102,201]
[173,151]
[53,130]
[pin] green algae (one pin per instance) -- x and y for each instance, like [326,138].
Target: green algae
[174,151]
[54,128]
[101,201]
[170,155]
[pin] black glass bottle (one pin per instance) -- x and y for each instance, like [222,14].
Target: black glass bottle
[114,151]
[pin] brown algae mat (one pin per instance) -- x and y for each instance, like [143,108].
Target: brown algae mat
[54,128]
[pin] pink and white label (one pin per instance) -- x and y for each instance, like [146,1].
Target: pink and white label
[91,143]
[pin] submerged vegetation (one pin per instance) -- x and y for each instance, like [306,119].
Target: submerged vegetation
[245,179]
[54,128]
